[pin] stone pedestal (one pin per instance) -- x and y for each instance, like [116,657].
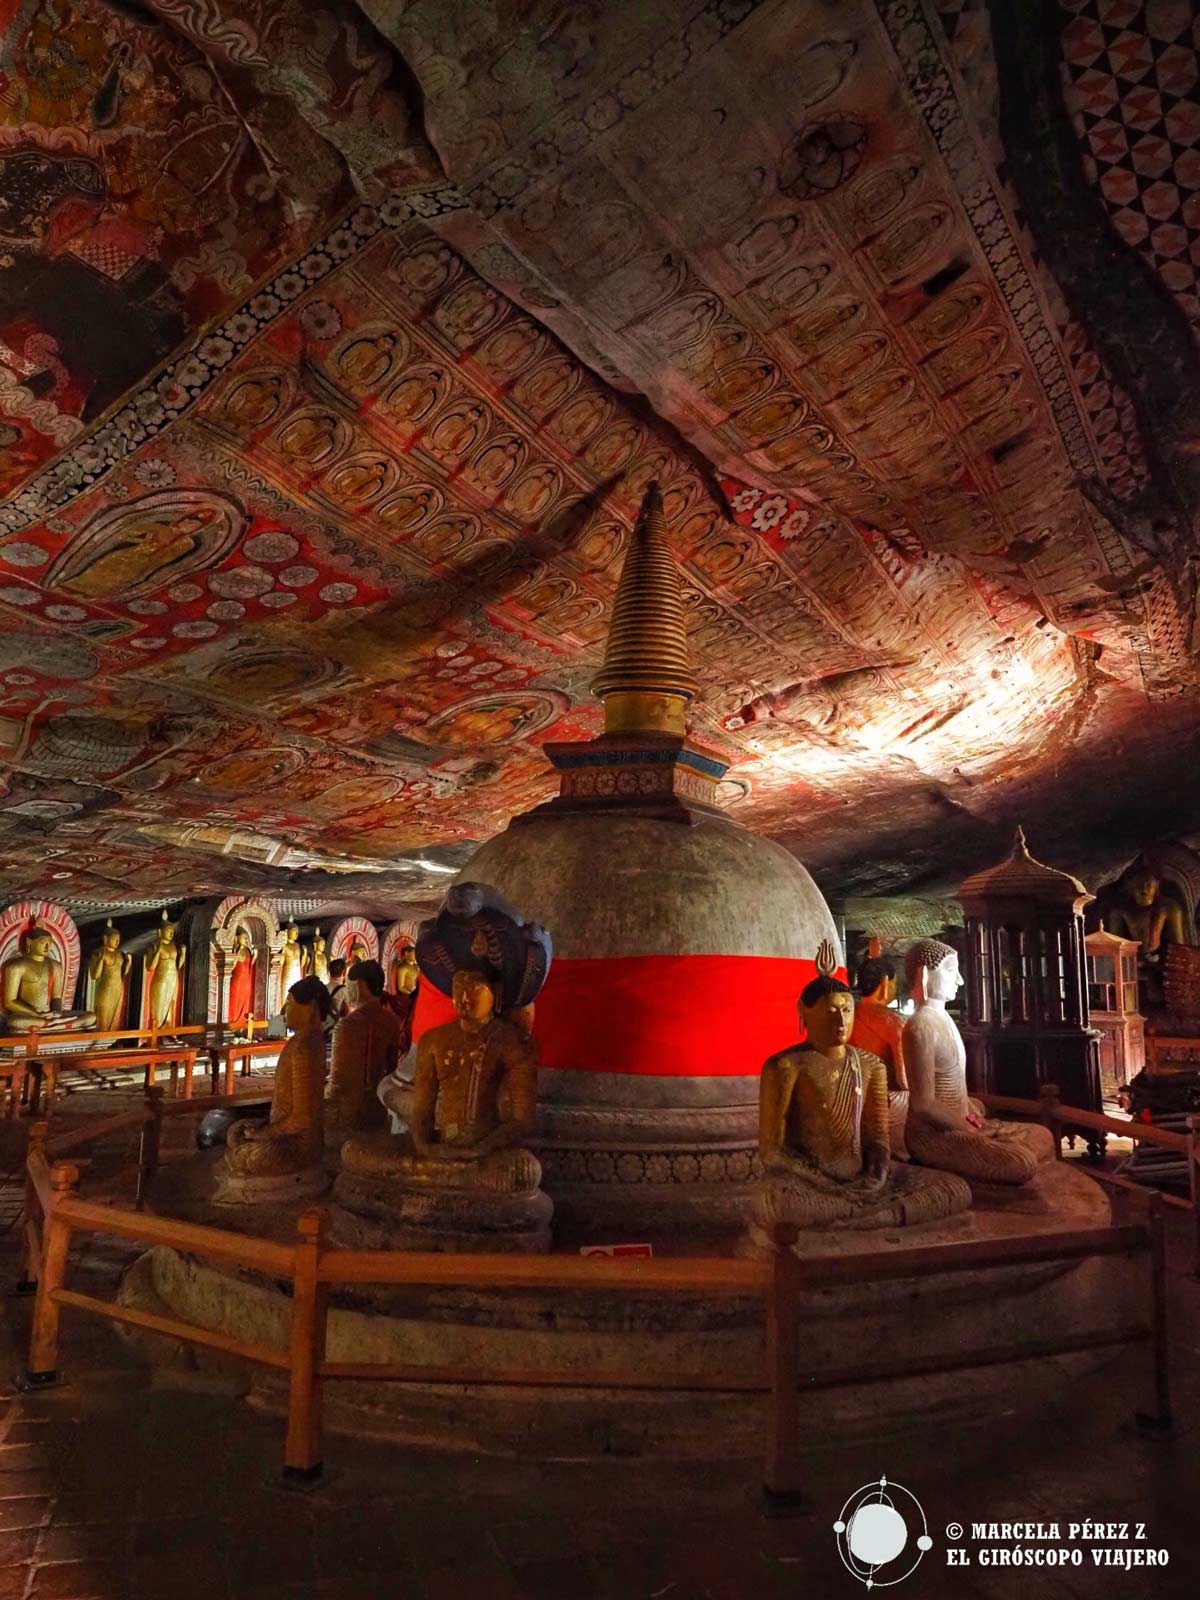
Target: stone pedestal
[493,1205]
[271,1189]
[372,1214]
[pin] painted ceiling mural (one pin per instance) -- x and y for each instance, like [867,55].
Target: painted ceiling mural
[339,342]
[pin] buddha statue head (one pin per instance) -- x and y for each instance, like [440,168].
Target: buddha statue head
[932,969]
[241,940]
[306,1006]
[318,943]
[293,933]
[877,980]
[474,997]
[827,1014]
[364,982]
[166,930]
[110,937]
[38,943]
[1142,886]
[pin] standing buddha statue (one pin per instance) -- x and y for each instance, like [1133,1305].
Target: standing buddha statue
[318,963]
[108,968]
[163,963]
[291,963]
[241,979]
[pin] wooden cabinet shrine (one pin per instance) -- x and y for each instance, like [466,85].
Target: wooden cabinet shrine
[1112,975]
[1026,984]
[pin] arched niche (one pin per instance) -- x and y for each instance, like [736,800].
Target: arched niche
[398,935]
[345,934]
[16,921]
[261,922]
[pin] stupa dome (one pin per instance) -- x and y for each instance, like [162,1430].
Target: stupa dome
[678,949]
[682,940]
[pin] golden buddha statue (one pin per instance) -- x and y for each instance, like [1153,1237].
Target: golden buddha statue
[879,1029]
[405,972]
[823,1131]
[945,1128]
[367,1045]
[1136,907]
[291,962]
[473,1102]
[108,968]
[318,961]
[32,989]
[358,950]
[290,1143]
[163,963]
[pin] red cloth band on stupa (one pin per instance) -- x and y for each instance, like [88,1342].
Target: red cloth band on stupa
[683,1016]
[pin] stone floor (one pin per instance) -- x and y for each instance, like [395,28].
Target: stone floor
[126,1483]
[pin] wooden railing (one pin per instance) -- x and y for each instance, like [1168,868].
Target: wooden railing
[26,1057]
[1062,1119]
[56,1212]
[225,1055]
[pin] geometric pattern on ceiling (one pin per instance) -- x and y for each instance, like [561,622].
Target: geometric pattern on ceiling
[1132,83]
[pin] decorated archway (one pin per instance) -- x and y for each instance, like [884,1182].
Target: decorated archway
[349,935]
[16,921]
[260,921]
[399,935]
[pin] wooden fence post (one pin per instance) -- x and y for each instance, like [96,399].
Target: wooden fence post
[1193,1123]
[781,1469]
[1051,1099]
[30,1267]
[1157,1420]
[302,1452]
[149,1144]
[42,1370]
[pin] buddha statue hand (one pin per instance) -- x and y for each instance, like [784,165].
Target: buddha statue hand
[876,1166]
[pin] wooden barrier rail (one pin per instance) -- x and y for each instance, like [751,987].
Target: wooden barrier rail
[1061,1119]
[240,1051]
[23,1055]
[781,1280]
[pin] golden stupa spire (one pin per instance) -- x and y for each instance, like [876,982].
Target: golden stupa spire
[646,680]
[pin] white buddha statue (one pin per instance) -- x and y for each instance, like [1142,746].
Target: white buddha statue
[945,1128]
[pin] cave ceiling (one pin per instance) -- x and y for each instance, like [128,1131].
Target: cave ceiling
[339,342]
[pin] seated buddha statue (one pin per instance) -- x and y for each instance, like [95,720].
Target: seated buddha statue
[456,1173]
[33,986]
[473,1102]
[945,1128]
[282,1156]
[1137,907]
[367,1044]
[879,1029]
[823,1132]
[405,973]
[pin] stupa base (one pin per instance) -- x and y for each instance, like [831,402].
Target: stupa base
[375,1214]
[699,1349]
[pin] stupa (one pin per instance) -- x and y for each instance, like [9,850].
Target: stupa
[681,938]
